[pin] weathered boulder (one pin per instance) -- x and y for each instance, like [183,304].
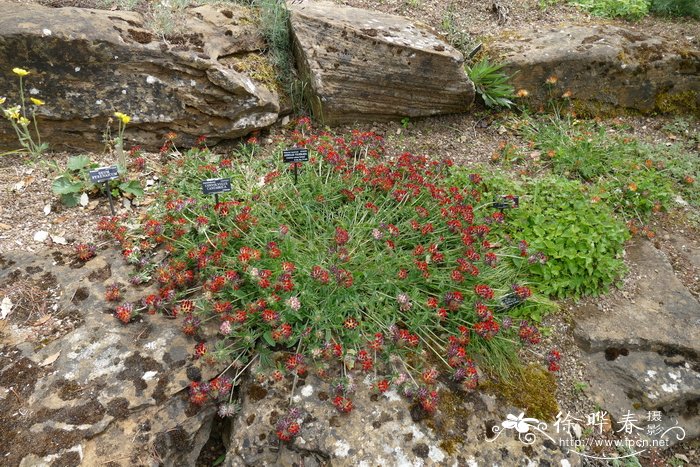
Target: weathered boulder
[363,65]
[603,66]
[79,388]
[380,430]
[643,352]
[87,64]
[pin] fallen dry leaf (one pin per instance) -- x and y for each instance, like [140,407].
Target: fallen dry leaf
[41,320]
[50,359]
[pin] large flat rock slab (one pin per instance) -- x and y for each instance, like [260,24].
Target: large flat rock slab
[603,66]
[380,430]
[96,392]
[642,350]
[363,65]
[663,317]
[87,64]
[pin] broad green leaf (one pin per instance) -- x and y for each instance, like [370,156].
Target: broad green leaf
[133,187]
[268,338]
[70,199]
[78,162]
[63,185]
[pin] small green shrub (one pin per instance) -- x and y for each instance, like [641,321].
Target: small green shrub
[627,9]
[74,183]
[689,8]
[620,169]
[580,237]
[491,83]
[356,268]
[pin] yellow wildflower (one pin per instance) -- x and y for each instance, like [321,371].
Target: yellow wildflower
[24,121]
[123,117]
[2,100]
[20,72]
[552,80]
[522,93]
[36,101]
[567,94]
[12,112]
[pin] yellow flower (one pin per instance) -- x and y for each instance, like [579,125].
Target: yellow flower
[23,121]
[36,101]
[123,117]
[552,80]
[20,71]
[2,100]
[522,93]
[12,112]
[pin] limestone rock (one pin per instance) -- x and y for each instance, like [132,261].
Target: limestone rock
[363,65]
[111,394]
[604,66]
[87,64]
[380,430]
[642,354]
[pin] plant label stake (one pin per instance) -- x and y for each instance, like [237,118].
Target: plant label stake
[506,201]
[214,186]
[511,301]
[104,175]
[294,156]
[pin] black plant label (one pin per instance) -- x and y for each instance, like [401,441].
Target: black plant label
[212,186]
[506,202]
[295,155]
[511,300]
[103,174]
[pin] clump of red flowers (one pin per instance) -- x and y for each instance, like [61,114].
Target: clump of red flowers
[113,293]
[289,426]
[365,263]
[553,358]
[85,251]
[125,313]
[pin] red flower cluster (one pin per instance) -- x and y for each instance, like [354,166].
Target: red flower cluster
[113,293]
[553,358]
[529,333]
[289,426]
[342,404]
[85,251]
[124,313]
[484,291]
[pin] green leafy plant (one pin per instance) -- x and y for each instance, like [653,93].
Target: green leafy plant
[580,386]
[491,83]
[581,238]
[74,183]
[689,8]
[627,9]
[22,117]
[621,171]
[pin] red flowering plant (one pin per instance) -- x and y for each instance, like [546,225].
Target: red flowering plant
[362,266]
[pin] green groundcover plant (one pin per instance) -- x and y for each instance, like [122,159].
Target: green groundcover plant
[578,234]
[367,267]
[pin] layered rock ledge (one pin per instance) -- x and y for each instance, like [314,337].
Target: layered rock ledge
[362,65]
[87,64]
